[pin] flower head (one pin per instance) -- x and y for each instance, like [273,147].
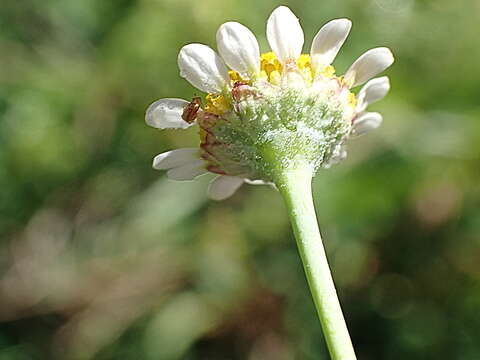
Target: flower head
[267,112]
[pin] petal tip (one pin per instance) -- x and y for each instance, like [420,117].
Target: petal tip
[284,34]
[239,48]
[368,65]
[344,22]
[166,114]
[366,122]
[223,186]
[328,41]
[202,67]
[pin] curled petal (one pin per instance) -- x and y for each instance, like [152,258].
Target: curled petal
[203,68]
[368,65]
[239,48]
[328,41]
[175,158]
[372,91]
[188,171]
[284,34]
[223,187]
[167,114]
[365,123]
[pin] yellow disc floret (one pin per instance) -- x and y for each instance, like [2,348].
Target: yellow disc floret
[327,72]
[216,104]
[235,76]
[305,66]
[270,68]
[352,100]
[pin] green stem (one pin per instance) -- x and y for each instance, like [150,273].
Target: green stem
[295,186]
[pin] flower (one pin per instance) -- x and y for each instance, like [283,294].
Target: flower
[265,112]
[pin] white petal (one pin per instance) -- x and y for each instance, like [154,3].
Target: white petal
[366,122]
[203,68]
[368,65]
[328,41]
[239,48]
[284,34]
[223,187]
[257,182]
[167,114]
[175,158]
[372,91]
[187,172]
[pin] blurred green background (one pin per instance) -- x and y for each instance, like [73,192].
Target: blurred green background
[102,257]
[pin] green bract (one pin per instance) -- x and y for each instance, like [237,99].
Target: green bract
[274,128]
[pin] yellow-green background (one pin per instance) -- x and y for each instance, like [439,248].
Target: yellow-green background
[102,257]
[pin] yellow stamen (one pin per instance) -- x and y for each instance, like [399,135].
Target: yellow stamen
[271,69]
[352,100]
[305,66]
[328,71]
[216,104]
[268,64]
[303,62]
[275,77]
[235,76]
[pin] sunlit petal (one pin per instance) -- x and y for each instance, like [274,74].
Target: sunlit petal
[284,34]
[368,65]
[239,48]
[203,68]
[328,41]
[366,122]
[372,91]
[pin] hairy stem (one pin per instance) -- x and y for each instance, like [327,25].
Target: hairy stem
[295,186]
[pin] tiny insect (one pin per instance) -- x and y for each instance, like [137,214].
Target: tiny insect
[190,111]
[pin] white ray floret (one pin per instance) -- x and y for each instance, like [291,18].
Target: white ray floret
[188,171]
[203,68]
[284,34]
[182,164]
[175,158]
[371,92]
[368,65]
[366,122]
[223,187]
[328,41]
[239,49]
[167,114]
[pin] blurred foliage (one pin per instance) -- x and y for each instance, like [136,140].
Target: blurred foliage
[103,258]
